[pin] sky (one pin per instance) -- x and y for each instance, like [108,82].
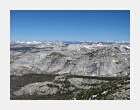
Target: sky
[70,25]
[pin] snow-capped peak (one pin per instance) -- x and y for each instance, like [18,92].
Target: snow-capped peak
[18,41]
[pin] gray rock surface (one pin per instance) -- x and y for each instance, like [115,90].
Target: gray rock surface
[80,59]
[40,88]
[60,59]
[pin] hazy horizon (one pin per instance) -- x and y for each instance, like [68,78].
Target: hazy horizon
[72,40]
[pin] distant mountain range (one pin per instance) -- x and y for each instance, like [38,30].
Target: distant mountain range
[54,69]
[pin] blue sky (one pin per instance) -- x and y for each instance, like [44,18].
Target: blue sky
[70,25]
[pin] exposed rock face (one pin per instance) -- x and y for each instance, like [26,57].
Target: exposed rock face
[100,61]
[70,88]
[59,83]
[42,69]
[41,88]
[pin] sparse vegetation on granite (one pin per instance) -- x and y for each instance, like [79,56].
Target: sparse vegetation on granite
[102,91]
[69,71]
[105,91]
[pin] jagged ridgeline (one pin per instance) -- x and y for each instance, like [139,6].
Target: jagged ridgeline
[69,70]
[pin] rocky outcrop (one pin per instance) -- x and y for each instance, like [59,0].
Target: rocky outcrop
[57,70]
[77,88]
[96,61]
[40,88]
